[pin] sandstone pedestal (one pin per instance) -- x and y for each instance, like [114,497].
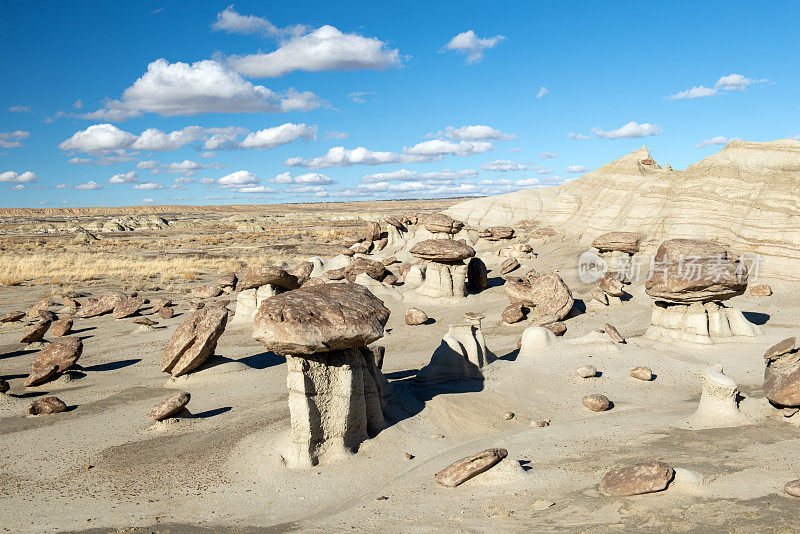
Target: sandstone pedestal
[719,404]
[462,354]
[249,300]
[443,280]
[704,324]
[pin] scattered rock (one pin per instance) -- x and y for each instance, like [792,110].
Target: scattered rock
[508,416]
[397,223]
[477,276]
[46,315]
[509,265]
[145,321]
[627,242]
[514,313]
[441,223]
[792,488]
[160,303]
[196,304]
[415,316]
[46,406]
[596,402]
[389,261]
[611,285]
[642,373]
[466,468]
[41,304]
[546,292]
[557,327]
[127,307]
[194,341]
[11,317]
[206,292]
[61,327]
[759,290]
[636,479]
[379,244]
[374,269]
[103,305]
[495,233]
[166,312]
[390,280]
[227,281]
[302,272]
[779,349]
[260,276]
[35,332]
[334,274]
[409,456]
[782,374]
[586,371]
[541,423]
[614,334]
[600,296]
[373,231]
[169,407]
[4,386]
[362,248]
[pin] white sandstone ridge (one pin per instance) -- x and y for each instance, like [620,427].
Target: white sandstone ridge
[745,197]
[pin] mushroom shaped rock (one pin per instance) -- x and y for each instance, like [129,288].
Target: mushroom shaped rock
[442,250]
[693,270]
[268,274]
[719,402]
[462,355]
[194,341]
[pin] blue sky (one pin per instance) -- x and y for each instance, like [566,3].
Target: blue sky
[263,102]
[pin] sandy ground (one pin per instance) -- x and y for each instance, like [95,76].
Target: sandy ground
[102,466]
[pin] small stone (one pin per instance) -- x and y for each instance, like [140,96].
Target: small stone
[145,321]
[508,266]
[47,315]
[11,317]
[514,313]
[642,373]
[415,316]
[197,304]
[35,332]
[389,261]
[557,327]
[508,416]
[759,290]
[614,334]
[409,456]
[390,280]
[4,386]
[610,285]
[437,436]
[792,488]
[166,312]
[600,296]
[169,407]
[586,371]
[541,424]
[596,402]
[637,479]
[470,466]
[46,406]
[61,327]
[542,505]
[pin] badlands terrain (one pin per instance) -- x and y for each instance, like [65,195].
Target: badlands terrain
[613,354]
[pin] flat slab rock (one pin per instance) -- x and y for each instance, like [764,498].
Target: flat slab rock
[260,276]
[105,304]
[36,332]
[10,317]
[464,469]
[169,407]
[441,223]
[194,341]
[442,250]
[618,241]
[641,478]
[61,354]
[320,319]
[127,307]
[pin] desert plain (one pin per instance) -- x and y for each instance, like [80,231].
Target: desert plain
[228,461]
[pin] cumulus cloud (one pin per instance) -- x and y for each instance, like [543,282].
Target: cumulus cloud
[124,178]
[542,91]
[279,135]
[731,82]
[18,177]
[576,168]
[108,139]
[325,48]
[20,109]
[238,179]
[502,165]
[577,136]
[362,97]
[718,140]
[334,134]
[13,139]
[256,189]
[548,155]
[433,150]
[471,45]
[148,186]
[477,132]
[699,91]
[230,21]
[405,175]
[99,139]
[89,186]
[185,167]
[631,130]
[206,86]
[311,178]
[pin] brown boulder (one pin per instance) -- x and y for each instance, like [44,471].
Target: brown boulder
[61,327]
[334,274]
[46,406]
[636,479]
[690,270]
[477,276]
[600,296]
[302,272]
[169,407]
[374,269]
[618,241]
[46,315]
[227,280]
[105,304]
[439,222]
[41,375]
[361,248]
[759,290]
[415,316]
[390,280]
[4,385]
[499,232]
[513,313]
[127,307]
[206,292]
[320,319]
[596,402]
[373,231]
[36,332]
[389,261]
[466,468]
[41,304]
[508,266]
[442,250]
[397,223]
[557,327]
[159,303]
[260,276]
[792,488]
[546,292]
[782,375]
[61,354]
[166,312]
[194,341]
[11,317]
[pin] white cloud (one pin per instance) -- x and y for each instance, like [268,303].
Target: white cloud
[279,135]
[699,91]
[548,155]
[108,139]
[203,87]
[20,109]
[404,175]
[147,201]
[736,82]
[718,140]
[16,177]
[542,91]
[185,167]
[473,47]
[256,189]
[360,97]
[334,134]
[311,178]
[78,104]
[237,179]
[148,186]
[439,147]
[89,186]
[18,187]
[209,155]
[231,21]
[13,139]
[477,132]
[99,139]
[630,130]
[543,170]
[325,48]
[124,178]
[503,165]
[576,168]
[577,136]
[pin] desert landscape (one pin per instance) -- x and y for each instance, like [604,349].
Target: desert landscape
[614,354]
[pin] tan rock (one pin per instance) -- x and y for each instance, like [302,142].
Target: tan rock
[159,303]
[374,269]
[35,332]
[782,375]
[206,292]
[441,223]
[41,304]
[194,341]
[11,317]
[586,371]
[610,285]
[642,373]
[61,354]
[334,274]
[169,407]
[362,248]
[546,292]
[792,488]
[627,242]
[415,316]
[759,290]
[600,296]
[556,327]
[103,305]
[596,402]
[302,272]
[470,466]
[614,334]
[227,281]
[442,250]
[373,231]
[508,266]
[42,375]
[47,405]
[269,274]
[61,327]
[514,313]
[636,479]
[166,312]
[46,315]
[389,261]
[127,307]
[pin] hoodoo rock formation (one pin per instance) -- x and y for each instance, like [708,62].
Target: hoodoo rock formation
[446,274]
